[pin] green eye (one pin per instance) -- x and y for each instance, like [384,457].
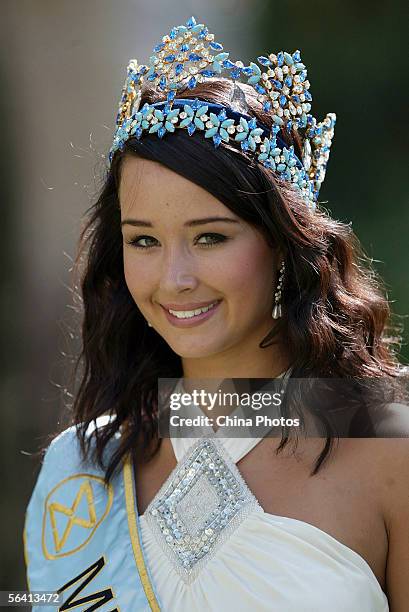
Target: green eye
[214,239]
[136,242]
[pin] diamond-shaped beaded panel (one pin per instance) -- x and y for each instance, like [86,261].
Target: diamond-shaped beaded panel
[199,506]
[191,507]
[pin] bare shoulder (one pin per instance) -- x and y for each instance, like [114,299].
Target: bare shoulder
[394,422]
[393,464]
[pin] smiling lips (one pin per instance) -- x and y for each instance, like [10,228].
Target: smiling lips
[187,305]
[190,314]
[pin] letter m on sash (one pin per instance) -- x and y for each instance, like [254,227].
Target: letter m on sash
[96,600]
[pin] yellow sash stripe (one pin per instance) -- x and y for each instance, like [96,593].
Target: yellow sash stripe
[133,531]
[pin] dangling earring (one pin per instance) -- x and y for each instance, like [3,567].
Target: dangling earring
[277,312]
[149,324]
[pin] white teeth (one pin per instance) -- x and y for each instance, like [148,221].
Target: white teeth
[188,314]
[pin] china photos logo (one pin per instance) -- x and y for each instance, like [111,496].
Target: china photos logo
[73,511]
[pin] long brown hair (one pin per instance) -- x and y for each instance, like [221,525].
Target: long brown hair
[336,316]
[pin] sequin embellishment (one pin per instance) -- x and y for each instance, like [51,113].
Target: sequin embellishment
[200,505]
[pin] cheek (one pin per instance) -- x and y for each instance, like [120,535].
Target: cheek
[137,278]
[250,269]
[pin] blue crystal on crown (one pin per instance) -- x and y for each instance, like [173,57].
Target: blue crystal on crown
[189,55]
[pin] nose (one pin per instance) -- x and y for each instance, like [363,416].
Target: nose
[178,273]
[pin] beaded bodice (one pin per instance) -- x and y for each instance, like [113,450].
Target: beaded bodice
[200,505]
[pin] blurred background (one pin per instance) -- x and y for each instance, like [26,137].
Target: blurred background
[62,67]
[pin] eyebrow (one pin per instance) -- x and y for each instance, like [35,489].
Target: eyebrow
[192,223]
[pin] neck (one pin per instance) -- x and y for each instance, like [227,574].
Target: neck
[246,363]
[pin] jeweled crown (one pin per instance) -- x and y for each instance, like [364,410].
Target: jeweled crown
[189,55]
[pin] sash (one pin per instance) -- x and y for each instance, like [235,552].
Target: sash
[83,539]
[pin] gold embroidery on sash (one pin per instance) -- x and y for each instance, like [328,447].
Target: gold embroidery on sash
[130,498]
[52,507]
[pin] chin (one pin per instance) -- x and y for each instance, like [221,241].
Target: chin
[196,350]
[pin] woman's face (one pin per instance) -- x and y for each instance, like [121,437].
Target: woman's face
[184,250]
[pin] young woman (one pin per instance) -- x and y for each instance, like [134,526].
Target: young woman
[206,257]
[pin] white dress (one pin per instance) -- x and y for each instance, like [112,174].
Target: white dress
[248,560]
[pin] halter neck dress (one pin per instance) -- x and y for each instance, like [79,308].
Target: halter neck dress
[242,558]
